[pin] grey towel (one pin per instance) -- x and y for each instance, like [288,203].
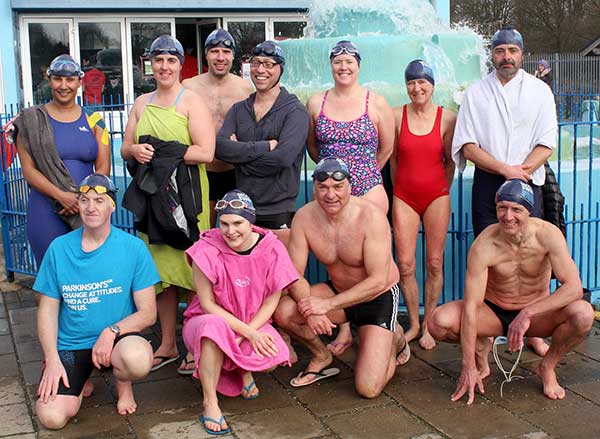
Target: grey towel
[38,140]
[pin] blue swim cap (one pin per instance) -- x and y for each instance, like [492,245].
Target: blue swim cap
[346,47]
[507,35]
[272,50]
[99,183]
[418,69]
[166,45]
[517,191]
[65,65]
[236,202]
[219,38]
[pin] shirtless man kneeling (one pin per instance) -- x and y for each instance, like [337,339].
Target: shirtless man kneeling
[352,239]
[507,293]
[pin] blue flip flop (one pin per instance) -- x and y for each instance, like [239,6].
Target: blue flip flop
[205,419]
[247,390]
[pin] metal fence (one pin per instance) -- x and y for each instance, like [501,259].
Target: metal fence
[576,162]
[576,83]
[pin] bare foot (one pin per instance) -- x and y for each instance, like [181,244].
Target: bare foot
[126,404]
[482,351]
[88,388]
[342,342]
[288,342]
[552,389]
[538,345]
[250,390]
[213,412]
[316,364]
[412,333]
[402,347]
[426,341]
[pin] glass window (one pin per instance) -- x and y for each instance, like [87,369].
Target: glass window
[101,60]
[282,30]
[46,41]
[247,34]
[142,35]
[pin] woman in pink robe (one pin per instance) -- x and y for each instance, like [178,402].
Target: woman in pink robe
[239,272]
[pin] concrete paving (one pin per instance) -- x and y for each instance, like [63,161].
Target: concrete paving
[416,403]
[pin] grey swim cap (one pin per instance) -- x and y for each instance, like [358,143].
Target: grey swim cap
[507,35]
[166,44]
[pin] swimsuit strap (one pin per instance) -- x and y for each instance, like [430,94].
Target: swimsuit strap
[323,101]
[437,125]
[404,125]
[151,97]
[179,96]
[367,102]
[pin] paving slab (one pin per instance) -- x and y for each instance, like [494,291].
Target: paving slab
[335,396]
[284,423]
[480,421]
[102,394]
[589,391]
[11,391]
[96,422]
[8,365]
[442,352]
[526,396]
[32,371]
[16,419]
[382,422]
[164,395]
[181,423]
[454,367]
[577,420]
[427,398]
[30,351]
[20,436]
[23,316]
[4,327]
[415,370]
[6,345]
[574,369]
[590,347]
[285,374]
[24,333]
[272,395]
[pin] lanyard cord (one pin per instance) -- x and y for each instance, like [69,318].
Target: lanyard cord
[508,375]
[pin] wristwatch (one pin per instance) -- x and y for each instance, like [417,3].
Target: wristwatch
[115,329]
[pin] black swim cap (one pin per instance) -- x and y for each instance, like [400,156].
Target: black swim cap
[517,191]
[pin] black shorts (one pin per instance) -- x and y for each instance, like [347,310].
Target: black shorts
[79,366]
[506,316]
[275,221]
[219,183]
[381,311]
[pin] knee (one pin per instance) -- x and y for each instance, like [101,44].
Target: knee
[285,311]
[407,267]
[581,316]
[440,324]
[53,418]
[368,389]
[435,266]
[133,361]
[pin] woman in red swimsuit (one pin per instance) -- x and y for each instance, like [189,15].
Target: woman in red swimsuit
[424,170]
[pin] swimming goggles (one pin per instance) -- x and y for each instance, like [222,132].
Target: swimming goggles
[64,66]
[234,204]
[268,48]
[214,42]
[345,47]
[157,52]
[321,176]
[98,189]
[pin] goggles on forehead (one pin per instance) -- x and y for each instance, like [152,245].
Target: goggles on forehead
[213,42]
[98,189]
[347,48]
[234,204]
[321,176]
[157,52]
[64,67]
[267,49]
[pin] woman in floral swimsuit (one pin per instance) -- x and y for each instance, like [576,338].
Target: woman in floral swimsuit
[356,125]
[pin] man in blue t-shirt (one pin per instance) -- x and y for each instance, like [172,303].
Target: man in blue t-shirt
[96,288]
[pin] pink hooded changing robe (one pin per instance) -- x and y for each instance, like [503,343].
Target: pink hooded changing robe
[241,283]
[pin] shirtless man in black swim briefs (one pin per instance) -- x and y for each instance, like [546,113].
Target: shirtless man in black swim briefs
[507,293]
[353,241]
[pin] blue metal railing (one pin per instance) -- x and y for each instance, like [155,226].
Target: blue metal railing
[576,162]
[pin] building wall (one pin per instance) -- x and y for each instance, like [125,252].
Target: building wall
[9,85]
